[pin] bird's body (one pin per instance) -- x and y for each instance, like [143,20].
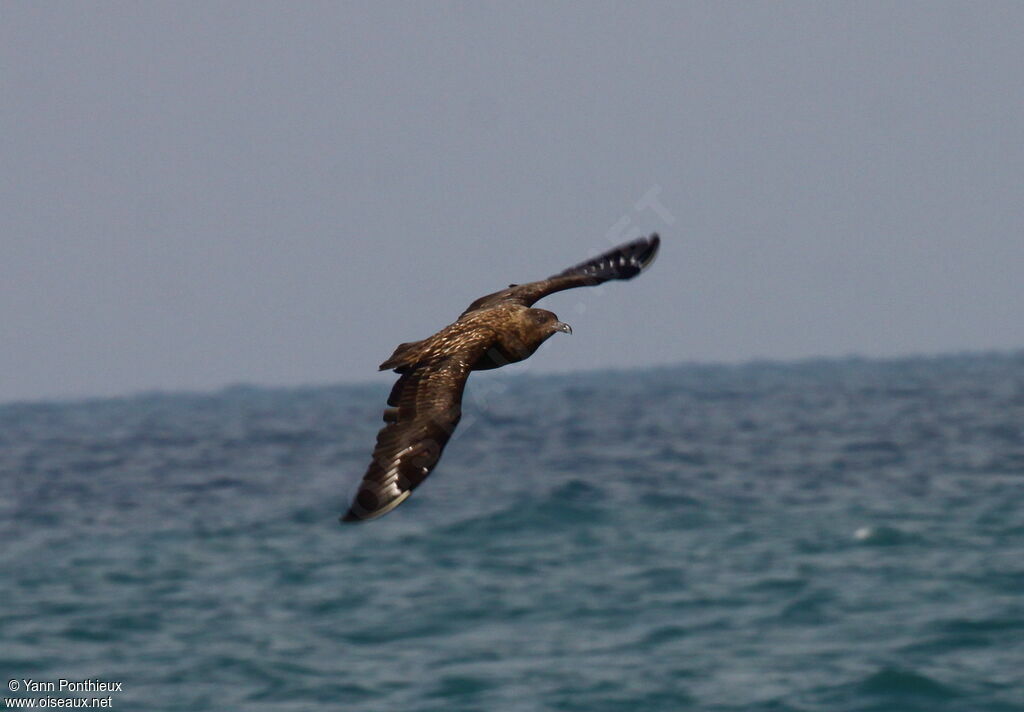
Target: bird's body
[512,333]
[425,402]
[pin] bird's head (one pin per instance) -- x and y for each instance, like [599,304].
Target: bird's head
[548,322]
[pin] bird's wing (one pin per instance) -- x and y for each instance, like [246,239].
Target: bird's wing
[426,406]
[623,262]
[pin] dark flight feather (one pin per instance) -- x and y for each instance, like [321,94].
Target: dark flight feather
[428,407]
[425,404]
[623,262]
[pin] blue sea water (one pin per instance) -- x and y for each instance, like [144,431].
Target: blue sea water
[831,536]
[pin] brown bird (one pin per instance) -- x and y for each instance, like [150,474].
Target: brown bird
[497,329]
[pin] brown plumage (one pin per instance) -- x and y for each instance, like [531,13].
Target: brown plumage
[497,329]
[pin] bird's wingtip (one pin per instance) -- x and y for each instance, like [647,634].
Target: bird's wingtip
[364,509]
[654,242]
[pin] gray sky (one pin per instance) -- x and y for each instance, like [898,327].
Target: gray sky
[200,194]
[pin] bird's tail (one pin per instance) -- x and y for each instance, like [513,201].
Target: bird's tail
[403,357]
[623,262]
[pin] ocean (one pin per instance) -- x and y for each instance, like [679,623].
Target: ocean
[833,535]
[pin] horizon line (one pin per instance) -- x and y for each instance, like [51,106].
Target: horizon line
[740,363]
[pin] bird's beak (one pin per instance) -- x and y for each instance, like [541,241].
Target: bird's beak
[563,327]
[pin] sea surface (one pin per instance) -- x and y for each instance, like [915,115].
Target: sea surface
[836,535]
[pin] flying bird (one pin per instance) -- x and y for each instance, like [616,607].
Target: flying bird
[496,329]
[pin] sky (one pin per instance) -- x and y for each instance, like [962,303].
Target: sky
[209,193]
